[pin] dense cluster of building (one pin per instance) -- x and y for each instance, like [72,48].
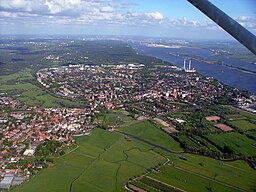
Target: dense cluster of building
[248,104]
[22,131]
[134,87]
[119,84]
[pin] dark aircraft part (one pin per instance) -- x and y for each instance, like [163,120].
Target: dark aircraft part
[227,23]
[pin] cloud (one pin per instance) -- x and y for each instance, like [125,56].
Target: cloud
[107,9]
[155,15]
[247,22]
[98,12]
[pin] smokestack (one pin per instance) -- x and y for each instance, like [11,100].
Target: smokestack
[184,64]
[189,67]
[236,30]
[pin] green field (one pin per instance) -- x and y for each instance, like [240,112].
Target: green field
[245,114]
[104,161]
[114,118]
[20,86]
[153,134]
[243,125]
[239,143]
[197,173]
[251,134]
[234,117]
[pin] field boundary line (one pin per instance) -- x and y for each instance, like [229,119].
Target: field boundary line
[165,183]
[209,178]
[71,151]
[89,166]
[236,168]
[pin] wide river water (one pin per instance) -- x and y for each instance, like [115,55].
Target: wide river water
[242,80]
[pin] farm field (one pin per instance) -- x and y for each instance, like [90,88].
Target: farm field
[153,134]
[103,161]
[114,118]
[20,86]
[251,134]
[232,117]
[243,125]
[241,113]
[197,173]
[239,143]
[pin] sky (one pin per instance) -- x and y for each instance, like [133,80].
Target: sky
[155,18]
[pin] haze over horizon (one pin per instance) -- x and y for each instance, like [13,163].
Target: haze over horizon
[164,18]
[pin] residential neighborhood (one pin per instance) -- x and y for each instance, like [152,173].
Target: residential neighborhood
[140,91]
[22,131]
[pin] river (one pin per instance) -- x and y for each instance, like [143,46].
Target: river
[233,77]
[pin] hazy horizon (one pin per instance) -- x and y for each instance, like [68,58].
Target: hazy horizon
[151,18]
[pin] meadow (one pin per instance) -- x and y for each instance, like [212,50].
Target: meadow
[114,118]
[104,161]
[197,173]
[150,132]
[23,87]
[239,143]
[243,125]
[242,114]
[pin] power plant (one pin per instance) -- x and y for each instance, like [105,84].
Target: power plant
[189,69]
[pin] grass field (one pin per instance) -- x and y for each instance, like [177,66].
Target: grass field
[243,113]
[115,118]
[104,161]
[19,86]
[243,125]
[234,117]
[197,173]
[251,134]
[153,134]
[239,143]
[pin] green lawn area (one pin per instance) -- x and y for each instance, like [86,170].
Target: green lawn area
[243,125]
[239,143]
[37,97]
[198,173]
[104,161]
[115,118]
[234,117]
[18,85]
[149,132]
[185,139]
[144,186]
[251,134]
[243,113]
[19,76]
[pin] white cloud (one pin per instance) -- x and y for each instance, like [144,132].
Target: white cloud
[247,22]
[155,15]
[98,12]
[107,9]
[57,6]
[15,4]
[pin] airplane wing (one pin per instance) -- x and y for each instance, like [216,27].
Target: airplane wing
[241,34]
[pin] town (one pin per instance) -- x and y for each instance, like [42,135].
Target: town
[23,131]
[145,92]
[117,85]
